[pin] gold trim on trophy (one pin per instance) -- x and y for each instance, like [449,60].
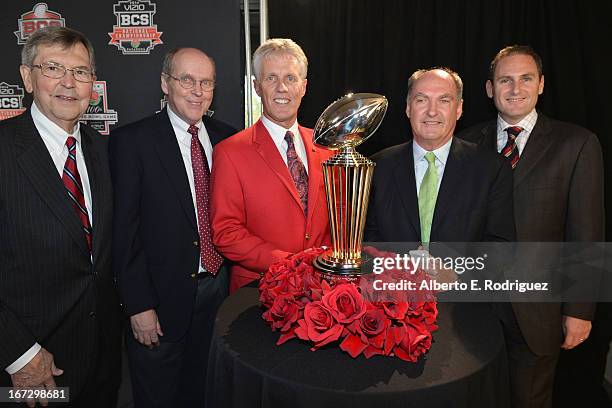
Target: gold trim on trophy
[344,125]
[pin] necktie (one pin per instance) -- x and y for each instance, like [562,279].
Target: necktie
[428,193]
[297,171]
[510,150]
[74,187]
[210,258]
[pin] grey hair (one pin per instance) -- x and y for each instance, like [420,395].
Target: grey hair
[279,46]
[419,73]
[50,36]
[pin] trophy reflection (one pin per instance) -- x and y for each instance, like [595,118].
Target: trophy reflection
[344,125]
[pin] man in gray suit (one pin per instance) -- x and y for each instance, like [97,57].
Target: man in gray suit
[558,196]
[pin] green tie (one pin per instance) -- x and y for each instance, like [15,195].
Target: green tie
[428,193]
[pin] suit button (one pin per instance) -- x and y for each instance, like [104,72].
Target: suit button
[194,275]
[92,314]
[307,236]
[196,243]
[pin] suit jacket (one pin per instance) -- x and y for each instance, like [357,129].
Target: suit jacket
[156,248]
[51,292]
[257,217]
[474,202]
[558,196]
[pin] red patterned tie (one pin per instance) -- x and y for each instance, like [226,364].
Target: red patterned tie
[72,181]
[297,171]
[210,258]
[510,150]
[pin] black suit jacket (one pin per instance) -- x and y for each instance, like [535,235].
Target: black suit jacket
[474,203]
[558,196]
[156,247]
[50,291]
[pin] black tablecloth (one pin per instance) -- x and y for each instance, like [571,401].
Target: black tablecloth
[465,367]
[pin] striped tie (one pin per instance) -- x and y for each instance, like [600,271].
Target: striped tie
[74,187]
[510,150]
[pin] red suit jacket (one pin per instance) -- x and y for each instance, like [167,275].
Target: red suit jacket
[257,218]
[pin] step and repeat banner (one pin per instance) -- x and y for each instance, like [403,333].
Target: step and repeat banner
[130,39]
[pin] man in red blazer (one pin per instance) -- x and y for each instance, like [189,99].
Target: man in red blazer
[268,198]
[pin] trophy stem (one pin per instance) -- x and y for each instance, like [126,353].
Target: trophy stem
[347,177]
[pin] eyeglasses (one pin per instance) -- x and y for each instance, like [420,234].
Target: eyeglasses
[188,82]
[57,71]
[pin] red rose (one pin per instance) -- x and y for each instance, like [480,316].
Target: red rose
[395,310]
[371,334]
[345,303]
[282,314]
[318,325]
[416,341]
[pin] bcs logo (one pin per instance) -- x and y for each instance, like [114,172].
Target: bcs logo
[97,115]
[39,17]
[135,33]
[11,100]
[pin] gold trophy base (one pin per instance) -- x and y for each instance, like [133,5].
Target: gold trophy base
[333,269]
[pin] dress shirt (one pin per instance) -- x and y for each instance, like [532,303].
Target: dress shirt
[278,136]
[421,164]
[183,139]
[54,138]
[527,123]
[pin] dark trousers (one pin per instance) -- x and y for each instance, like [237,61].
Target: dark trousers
[531,376]
[173,374]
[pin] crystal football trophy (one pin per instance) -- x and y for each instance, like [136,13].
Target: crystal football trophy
[344,125]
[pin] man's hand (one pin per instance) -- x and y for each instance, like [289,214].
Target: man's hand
[576,331]
[37,373]
[146,328]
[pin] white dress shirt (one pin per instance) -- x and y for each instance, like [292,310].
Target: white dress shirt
[527,123]
[278,136]
[54,138]
[184,141]
[421,164]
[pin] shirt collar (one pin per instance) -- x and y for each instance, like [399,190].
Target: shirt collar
[278,132]
[179,123]
[441,152]
[50,130]
[527,123]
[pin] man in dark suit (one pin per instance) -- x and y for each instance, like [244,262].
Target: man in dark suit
[171,278]
[558,196]
[59,310]
[437,187]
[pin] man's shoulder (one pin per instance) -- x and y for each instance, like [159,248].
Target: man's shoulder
[391,155]
[476,133]
[568,130]
[142,126]
[9,126]
[219,127]
[241,140]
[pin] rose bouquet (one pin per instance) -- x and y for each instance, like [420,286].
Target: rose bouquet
[298,302]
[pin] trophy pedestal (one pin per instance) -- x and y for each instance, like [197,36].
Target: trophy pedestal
[339,270]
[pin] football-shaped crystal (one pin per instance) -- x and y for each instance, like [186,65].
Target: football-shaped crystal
[350,120]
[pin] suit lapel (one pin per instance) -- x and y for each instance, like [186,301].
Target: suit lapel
[537,145]
[405,184]
[92,161]
[451,179]
[264,145]
[36,163]
[315,171]
[170,156]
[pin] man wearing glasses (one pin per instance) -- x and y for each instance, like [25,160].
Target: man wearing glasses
[60,320]
[171,278]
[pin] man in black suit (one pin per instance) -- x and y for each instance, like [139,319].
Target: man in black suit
[60,320]
[171,278]
[558,196]
[437,187]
